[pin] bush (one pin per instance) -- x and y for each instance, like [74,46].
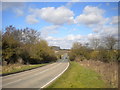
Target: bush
[94,55]
[71,56]
[78,50]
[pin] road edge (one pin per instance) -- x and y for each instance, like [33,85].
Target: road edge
[56,76]
[7,74]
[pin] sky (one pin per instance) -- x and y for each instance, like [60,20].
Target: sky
[63,23]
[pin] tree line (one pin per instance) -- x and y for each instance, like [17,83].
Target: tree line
[104,49]
[25,46]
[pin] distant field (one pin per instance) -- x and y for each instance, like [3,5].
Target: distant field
[79,77]
[18,67]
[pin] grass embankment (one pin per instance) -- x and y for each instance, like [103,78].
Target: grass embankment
[78,77]
[108,71]
[13,68]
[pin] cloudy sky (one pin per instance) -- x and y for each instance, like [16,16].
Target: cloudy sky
[62,23]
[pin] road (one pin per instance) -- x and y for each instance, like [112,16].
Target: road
[36,78]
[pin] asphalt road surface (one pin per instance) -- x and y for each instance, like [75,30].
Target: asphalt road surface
[36,78]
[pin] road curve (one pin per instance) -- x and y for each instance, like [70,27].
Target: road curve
[36,78]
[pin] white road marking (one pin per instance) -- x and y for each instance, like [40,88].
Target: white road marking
[32,75]
[23,72]
[19,75]
[12,82]
[56,76]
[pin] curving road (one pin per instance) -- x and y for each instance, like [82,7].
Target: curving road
[36,78]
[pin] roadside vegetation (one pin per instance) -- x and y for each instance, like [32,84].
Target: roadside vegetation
[108,71]
[18,67]
[99,54]
[24,47]
[78,76]
[104,49]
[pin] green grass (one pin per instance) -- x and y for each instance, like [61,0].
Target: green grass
[78,77]
[18,67]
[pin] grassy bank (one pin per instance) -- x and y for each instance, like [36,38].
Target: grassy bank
[108,71]
[78,77]
[18,67]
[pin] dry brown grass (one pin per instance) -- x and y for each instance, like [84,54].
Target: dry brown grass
[18,67]
[108,71]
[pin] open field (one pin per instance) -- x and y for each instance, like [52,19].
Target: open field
[79,77]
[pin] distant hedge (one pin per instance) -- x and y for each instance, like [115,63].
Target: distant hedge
[104,49]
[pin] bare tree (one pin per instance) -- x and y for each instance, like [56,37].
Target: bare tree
[94,42]
[110,42]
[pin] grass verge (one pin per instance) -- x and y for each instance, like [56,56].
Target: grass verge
[79,77]
[14,68]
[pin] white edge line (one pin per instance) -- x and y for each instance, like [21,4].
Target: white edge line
[28,77]
[20,73]
[56,77]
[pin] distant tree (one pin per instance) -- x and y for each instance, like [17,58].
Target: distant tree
[107,51]
[87,44]
[79,50]
[95,42]
[110,42]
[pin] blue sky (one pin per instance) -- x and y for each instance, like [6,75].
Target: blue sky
[62,23]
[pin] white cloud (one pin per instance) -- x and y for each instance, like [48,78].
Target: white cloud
[19,12]
[93,35]
[45,31]
[115,20]
[56,16]
[93,10]
[31,19]
[73,37]
[64,42]
[49,38]
[91,16]
[110,30]
[106,30]
[67,41]
[97,28]
[88,19]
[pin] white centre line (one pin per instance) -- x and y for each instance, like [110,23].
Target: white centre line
[12,82]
